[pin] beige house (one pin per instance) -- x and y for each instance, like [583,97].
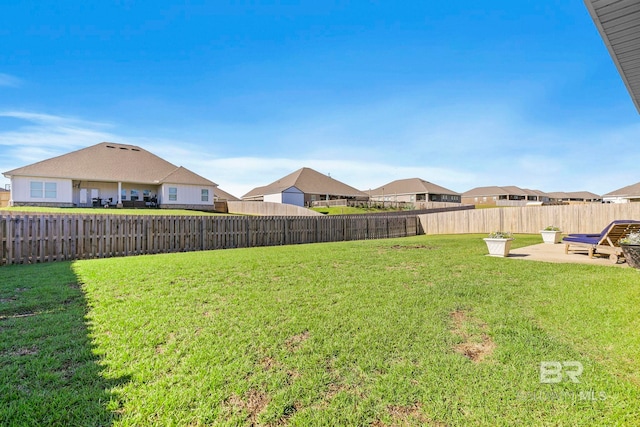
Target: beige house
[302,188]
[574,197]
[509,195]
[413,190]
[630,193]
[109,174]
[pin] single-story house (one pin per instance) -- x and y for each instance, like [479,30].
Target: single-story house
[574,196]
[495,195]
[109,174]
[413,190]
[630,193]
[302,188]
[222,195]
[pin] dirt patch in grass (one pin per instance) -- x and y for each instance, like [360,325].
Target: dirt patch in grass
[295,341]
[25,351]
[477,344]
[254,402]
[413,247]
[407,415]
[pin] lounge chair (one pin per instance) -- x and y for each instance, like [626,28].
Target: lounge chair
[604,243]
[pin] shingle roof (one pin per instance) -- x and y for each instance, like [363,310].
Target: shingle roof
[221,194]
[629,190]
[308,181]
[493,191]
[111,162]
[411,186]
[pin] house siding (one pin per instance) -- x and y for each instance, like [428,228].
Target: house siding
[187,195]
[293,196]
[273,198]
[21,192]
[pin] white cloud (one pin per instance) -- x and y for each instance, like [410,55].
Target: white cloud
[9,81]
[455,148]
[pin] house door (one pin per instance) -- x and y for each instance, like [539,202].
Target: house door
[94,197]
[83,196]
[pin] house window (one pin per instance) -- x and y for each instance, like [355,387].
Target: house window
[173,194]
[40,190]
[146,195]
[50,190]
[204,195]
[36,189]
[123,194]
[134,195]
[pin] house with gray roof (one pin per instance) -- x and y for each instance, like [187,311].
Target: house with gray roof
[303,187]
[574,197]
[630,193]
[412,190]
[109,174]
[508,195]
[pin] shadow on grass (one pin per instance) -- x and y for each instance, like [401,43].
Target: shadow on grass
[49,374]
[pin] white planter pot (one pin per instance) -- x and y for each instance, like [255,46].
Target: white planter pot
[551,237]
[498,247]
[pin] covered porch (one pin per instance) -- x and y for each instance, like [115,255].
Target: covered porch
[115,194]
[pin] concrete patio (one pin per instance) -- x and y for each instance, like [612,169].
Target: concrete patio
[555,253]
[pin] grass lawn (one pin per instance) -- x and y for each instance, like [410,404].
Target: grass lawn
[349,210]
[110,211]
[415,331]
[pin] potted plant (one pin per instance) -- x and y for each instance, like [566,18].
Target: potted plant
[551,234]
[631,248]
[499,243]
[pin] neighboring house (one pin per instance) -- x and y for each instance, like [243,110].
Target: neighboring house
[574,196]
[109,174]
[507,195]
[630,193]
[222,195]
[413,190]
[302,188]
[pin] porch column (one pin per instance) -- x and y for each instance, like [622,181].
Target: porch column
[119,204]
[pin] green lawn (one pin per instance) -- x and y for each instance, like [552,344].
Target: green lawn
[350,210]
[416,331]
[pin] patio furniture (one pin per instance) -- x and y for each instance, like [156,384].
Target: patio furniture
[604,243]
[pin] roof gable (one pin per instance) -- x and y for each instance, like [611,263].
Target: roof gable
[182,175]
[308,181]
[629,190]
[411,186]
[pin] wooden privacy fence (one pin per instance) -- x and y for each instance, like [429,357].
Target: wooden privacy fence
[583,218]
[31,238]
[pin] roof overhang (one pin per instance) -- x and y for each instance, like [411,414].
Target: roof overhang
[619,25]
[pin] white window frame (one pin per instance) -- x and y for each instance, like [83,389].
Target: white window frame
[43,190]
[173,194]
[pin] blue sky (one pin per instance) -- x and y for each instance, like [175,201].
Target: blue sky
[460,93]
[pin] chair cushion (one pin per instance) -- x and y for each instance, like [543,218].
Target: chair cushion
[590,239]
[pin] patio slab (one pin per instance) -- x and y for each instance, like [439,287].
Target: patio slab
[555,253]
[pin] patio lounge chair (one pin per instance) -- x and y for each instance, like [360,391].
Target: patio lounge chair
[604,243]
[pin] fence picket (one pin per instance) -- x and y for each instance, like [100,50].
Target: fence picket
[28,237]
